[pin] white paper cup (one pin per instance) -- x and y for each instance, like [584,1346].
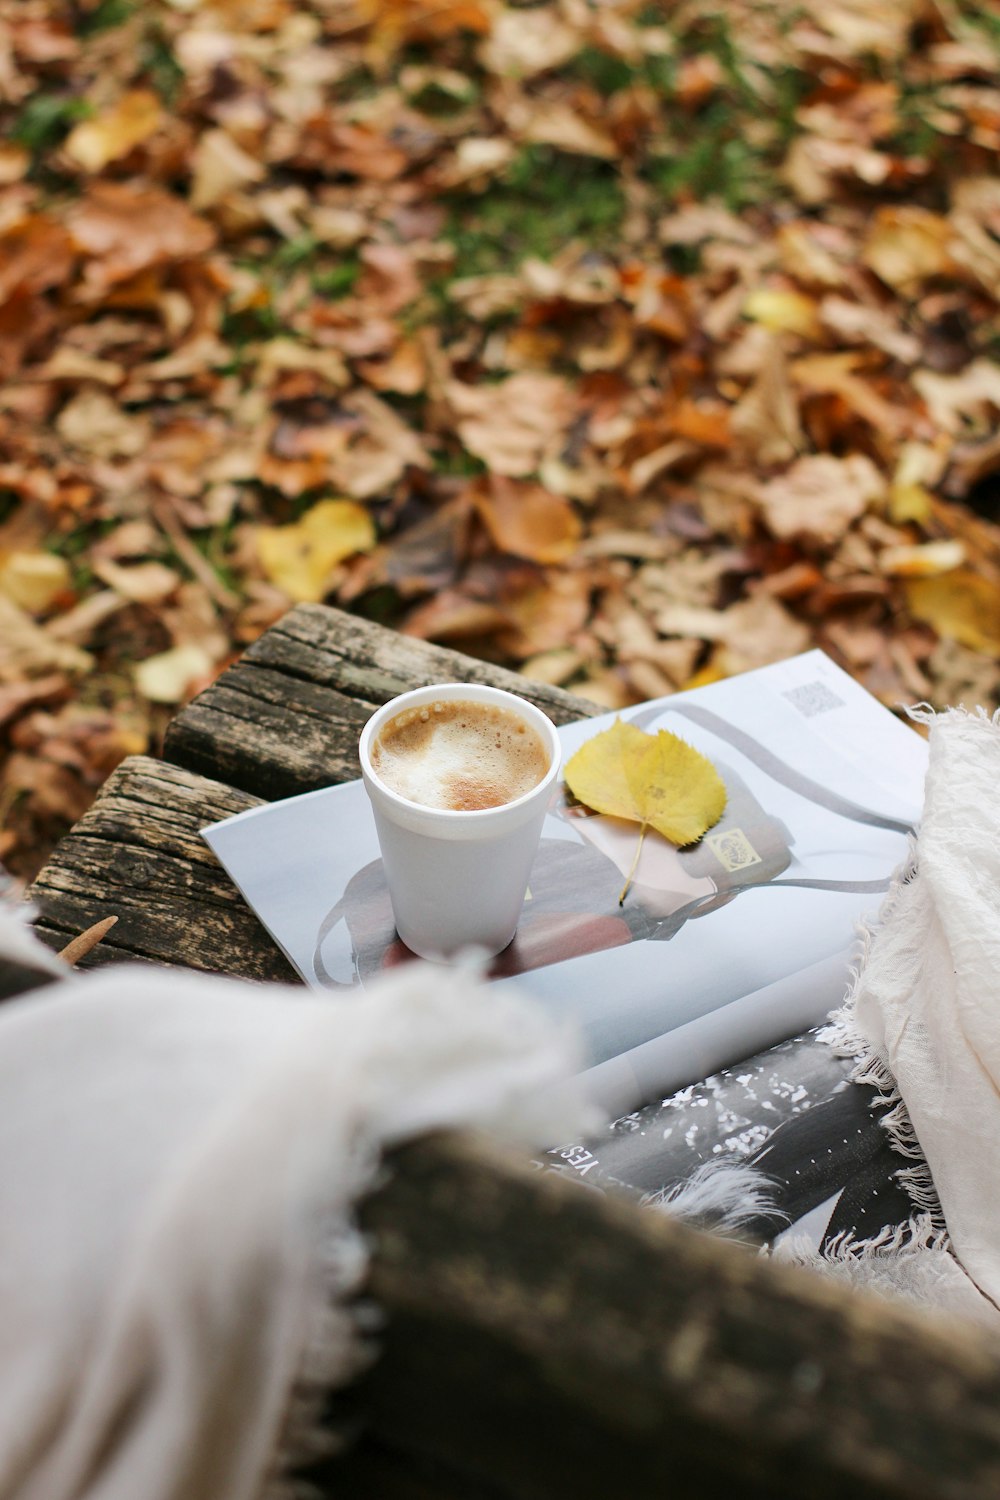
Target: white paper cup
[457,879]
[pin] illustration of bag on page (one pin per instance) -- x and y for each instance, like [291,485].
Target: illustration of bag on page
[573,906]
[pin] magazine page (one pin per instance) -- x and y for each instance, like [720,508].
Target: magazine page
[717,951]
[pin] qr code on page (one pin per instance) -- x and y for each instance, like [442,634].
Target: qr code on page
[813,698]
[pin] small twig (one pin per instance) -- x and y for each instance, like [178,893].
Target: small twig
[635,861]
[84,942]
[191,557]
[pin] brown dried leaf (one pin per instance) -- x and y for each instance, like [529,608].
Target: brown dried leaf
[819,497]
[124,230]
[221,167]
[514,424]
[906,246]
[142,583]
[528,520]
[972,397]
[766,418]
[35,253]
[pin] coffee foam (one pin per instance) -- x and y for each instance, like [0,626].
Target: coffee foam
[459,755]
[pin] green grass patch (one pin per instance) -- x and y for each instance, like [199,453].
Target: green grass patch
[337,281]
[106,16]
[160,67]
[546,199]
[46,120]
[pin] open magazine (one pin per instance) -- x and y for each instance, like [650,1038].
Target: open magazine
[718,951]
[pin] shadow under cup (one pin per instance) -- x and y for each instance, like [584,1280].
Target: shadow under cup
[458,879]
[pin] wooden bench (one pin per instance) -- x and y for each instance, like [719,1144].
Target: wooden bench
[541,1340]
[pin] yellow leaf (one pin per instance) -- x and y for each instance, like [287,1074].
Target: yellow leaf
[656,780]
[168,677]
[113,134]
[961,606]
[34,580]
[923,560]
[783,312]
[910,502]
[300,558]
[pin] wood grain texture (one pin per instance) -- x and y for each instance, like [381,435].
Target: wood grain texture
[287,717]
[543,1342]
[137,854]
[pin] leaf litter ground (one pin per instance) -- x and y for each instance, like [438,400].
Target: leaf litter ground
[633,345]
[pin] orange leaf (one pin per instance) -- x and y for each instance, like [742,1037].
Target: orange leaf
[702,423]
[529,521]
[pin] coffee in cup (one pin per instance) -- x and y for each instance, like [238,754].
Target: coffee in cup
[456,754]
[459,776]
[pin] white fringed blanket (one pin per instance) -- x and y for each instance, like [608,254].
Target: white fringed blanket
[180,1157]
[923,1020]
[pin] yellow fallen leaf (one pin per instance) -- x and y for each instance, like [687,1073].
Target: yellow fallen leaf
[924,560]
[33,579]
[784,312]
[167,678]
[113,134]
[961,606]
[656,780]
[299,558]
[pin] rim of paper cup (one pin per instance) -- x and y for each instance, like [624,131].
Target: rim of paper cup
[529,711]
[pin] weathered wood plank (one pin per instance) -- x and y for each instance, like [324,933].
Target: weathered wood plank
[137,854]
[286,718]
[543,1341]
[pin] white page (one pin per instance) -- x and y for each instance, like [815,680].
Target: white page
[736,929]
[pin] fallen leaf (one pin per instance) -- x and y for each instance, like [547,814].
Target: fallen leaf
[169,676]
[26,648]
[923,560]
[656,780]
[529,520]
[819,496]
[300,557]
[452,615]
[17,696]
[755,632]
[703,422]
[784,312]
[972,398]
[221,167]
[961,606]
[512,425]
[524,43]
[404,371]
[908,245]
[282,354]
[34,580]
[35,253]
[835,375]
[561,126]
[142,583]
[116,131]
[124,230]
[544,613]
[766,417]
[379,453]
